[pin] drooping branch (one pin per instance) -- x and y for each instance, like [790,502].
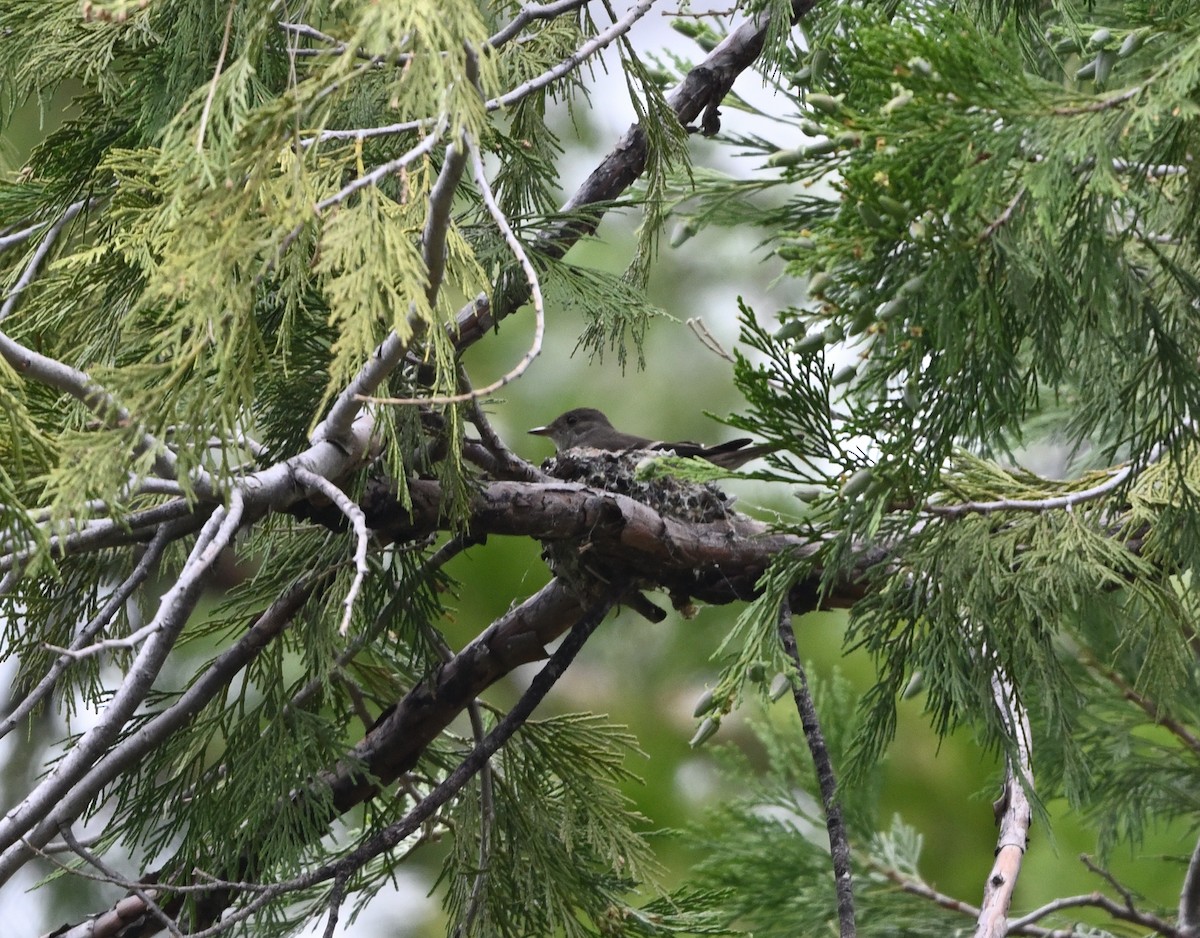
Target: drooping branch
[395,834]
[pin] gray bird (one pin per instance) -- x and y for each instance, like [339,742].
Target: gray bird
[588,427]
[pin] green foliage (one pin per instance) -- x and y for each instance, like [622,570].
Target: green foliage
[992,208]
[768,849]
[997,251]
[559,835]
[994,236]
[615,324]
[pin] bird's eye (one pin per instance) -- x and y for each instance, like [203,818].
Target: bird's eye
[572,420]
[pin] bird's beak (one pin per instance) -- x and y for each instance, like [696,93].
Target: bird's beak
[540,431]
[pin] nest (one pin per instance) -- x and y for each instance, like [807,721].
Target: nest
[617,472]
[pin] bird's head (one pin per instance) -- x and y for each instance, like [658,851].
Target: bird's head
[574,428]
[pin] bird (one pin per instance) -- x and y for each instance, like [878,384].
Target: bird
[588,427]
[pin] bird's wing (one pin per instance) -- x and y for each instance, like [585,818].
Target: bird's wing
[680,448]
[730,446]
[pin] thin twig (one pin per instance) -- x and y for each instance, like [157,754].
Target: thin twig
[1002,219]
[573,61]
[145,566]
[17,237]
[358,521]
[1146,705]
[385,169]
[1096,106]
[56,374]
[916,887]
[106,532]
[535,288]
[1127,912]
[132,640]
[510,465]
[839,843]
[303,29]
[212,85]
[702,90]
[35,262]
[530,12]
[922,890]
[337,895]
[700,330]
[1114,481]
[112,876]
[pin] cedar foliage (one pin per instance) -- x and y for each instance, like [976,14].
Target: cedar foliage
[994,211]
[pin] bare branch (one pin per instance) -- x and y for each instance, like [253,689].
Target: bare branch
[303,29]
[35,262]
[212,85]
[43,806]
[145,566]
[1103,105]
[1002,219]
[385,169]
[700,330]
[920,888]
[839,843]
[107,532]
[598,42]
[1014,813]
[53,373]
[358,521]
[601,40]
[1116,478]
[487,807]
[531,12]
[20,236]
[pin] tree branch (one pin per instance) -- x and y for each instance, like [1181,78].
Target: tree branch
[704,87]
[37,818]
[511,97]
[145,566]
[535,290]
[839,843]
[393,835]
[1014,813]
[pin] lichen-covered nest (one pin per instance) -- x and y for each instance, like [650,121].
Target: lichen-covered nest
[617,472]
